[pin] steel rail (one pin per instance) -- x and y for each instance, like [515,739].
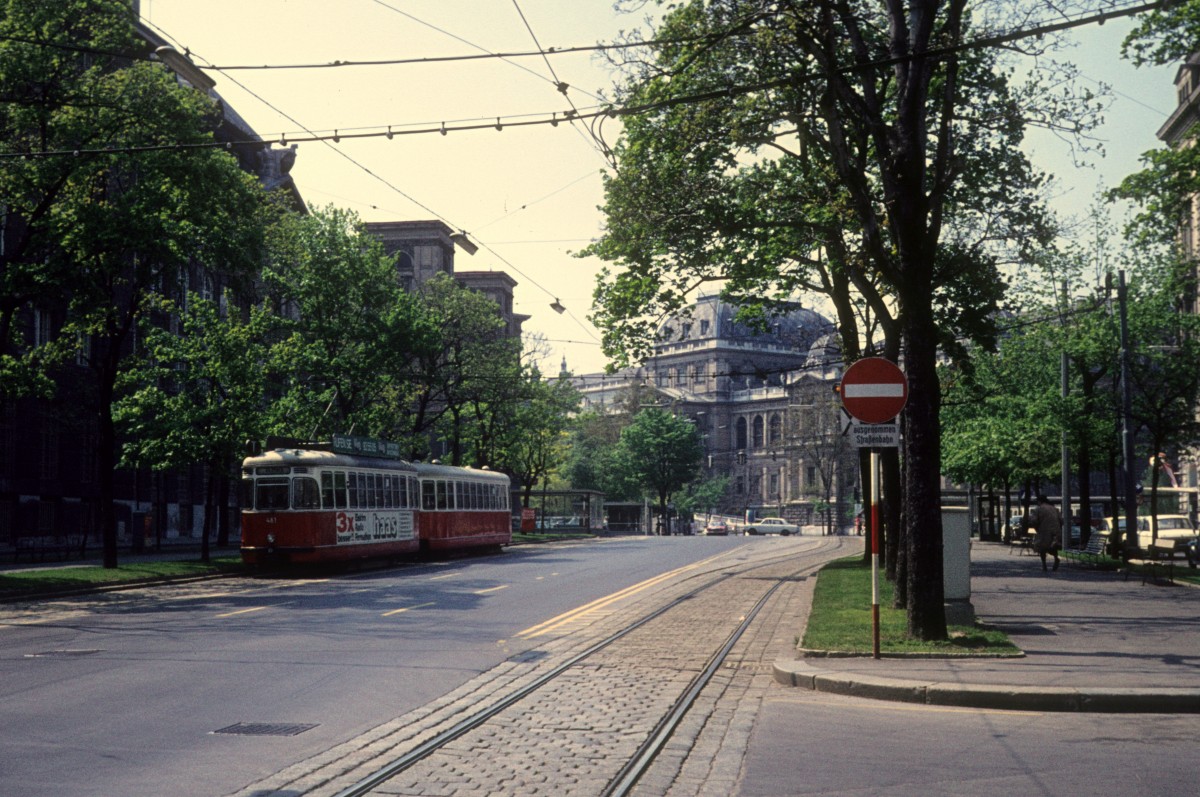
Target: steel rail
[436,742]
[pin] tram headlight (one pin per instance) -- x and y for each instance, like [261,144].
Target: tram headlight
[270,539]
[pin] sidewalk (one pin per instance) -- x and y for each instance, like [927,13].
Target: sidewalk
[1093,640]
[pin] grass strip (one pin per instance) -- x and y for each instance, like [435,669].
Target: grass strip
[66,579]
[840,621]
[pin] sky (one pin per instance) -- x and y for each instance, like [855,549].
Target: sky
[528,195]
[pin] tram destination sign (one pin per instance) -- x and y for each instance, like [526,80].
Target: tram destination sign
[874,390]
[365,446]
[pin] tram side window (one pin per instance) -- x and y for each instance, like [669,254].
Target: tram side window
[379,488]
[443,502]
[327,489]
[389,487]
[428,495]
[339,489]
[306,493]
[460,498]
[271,494]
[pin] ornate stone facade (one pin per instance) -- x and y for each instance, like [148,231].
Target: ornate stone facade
[763,401]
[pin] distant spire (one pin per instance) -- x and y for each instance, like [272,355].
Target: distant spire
[563,371]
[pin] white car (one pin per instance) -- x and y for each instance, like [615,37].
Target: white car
[1177,528]
[772,525]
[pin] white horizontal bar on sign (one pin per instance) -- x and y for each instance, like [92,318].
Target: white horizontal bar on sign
[881,390]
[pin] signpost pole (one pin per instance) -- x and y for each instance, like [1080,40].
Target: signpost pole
[875,479]
[873,391]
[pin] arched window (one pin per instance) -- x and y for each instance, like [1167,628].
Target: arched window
[740,431]
[775,430]
[758,431]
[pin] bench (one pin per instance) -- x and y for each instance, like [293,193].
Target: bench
[1023,542]
[1155,558]
[1095,550]
[44,546]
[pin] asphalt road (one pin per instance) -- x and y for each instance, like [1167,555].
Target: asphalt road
[124,693]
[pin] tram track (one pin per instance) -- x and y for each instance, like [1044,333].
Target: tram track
[622,779]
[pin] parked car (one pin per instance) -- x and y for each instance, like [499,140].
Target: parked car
[772,525]
[1177,528]
[717,528]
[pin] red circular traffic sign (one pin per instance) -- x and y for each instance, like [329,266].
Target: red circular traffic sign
[874,390]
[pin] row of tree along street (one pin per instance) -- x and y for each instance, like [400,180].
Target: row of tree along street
[870,154]
[186,310]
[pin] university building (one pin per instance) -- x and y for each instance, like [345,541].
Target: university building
[763,402]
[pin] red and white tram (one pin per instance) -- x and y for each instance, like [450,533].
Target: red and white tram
[462,507]
[310,503]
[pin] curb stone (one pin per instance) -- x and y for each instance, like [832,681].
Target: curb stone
[990,696]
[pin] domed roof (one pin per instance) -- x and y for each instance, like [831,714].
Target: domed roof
[711,317]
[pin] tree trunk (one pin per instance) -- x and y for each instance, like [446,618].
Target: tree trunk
[922,469]
[209,494]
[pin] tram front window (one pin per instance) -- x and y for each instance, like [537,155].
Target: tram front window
[271,494]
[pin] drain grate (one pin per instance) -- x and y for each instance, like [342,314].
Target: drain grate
[266,729]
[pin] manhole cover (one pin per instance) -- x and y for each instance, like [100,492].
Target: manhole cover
[266,729]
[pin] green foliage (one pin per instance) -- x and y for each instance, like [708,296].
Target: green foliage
[661,451]
[1164,35]
[702,497]
[536,442]
[198,394]
[345,330]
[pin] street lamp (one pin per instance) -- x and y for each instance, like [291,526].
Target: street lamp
[466,244]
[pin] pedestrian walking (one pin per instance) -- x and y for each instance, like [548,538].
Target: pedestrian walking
[1046,523]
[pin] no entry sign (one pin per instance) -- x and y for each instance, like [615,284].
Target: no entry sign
[874,390]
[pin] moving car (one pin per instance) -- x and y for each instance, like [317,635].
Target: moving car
[772,525]
[717,528]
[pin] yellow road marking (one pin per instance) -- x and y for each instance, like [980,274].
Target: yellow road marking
[491,589]
[407,609]
[446,575]
[554,623]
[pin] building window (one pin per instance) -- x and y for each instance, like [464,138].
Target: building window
[758,431]
[741,433]
[41,327]
[776,429]
[49,459]
[811,476]
[83,348]
[774,485]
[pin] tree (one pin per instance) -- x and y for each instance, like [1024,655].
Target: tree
[537,441]
[147,202]
[345,329]
[703,496]
[664,451]
[197,395]
[852,149]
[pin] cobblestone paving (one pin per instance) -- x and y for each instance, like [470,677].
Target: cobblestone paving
[573,736]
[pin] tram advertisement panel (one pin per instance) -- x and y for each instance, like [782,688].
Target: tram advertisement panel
[366,526]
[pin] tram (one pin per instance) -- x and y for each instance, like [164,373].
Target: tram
[462,507]
[308,503]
